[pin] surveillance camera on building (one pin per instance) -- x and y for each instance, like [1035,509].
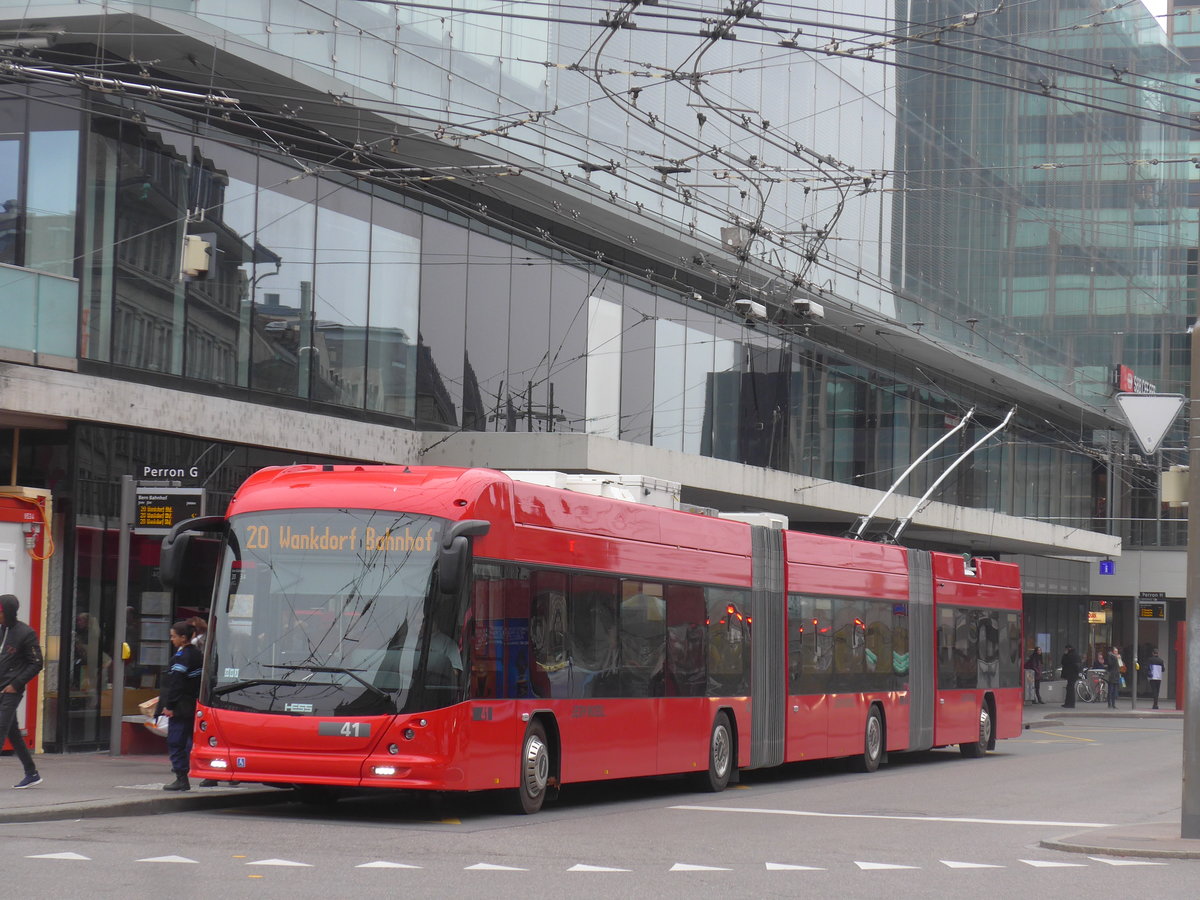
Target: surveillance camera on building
[751,309]
[808,308]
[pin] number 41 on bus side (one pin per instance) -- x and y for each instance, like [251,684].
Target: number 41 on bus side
[345,729]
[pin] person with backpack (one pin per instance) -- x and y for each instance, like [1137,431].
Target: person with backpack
[20,661]
[1155,667]
[1034,664]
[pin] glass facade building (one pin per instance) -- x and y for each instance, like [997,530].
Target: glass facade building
[492,218]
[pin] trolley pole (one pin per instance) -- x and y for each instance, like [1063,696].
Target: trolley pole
[1190,812]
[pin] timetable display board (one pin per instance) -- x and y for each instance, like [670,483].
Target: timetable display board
[159,508]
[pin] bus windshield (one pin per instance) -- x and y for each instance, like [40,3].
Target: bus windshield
[321,611]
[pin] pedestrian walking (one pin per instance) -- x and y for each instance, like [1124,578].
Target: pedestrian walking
[1034,664]
[177,701]
[1112,674]
[20,661]
[1070,671]
[1155,668]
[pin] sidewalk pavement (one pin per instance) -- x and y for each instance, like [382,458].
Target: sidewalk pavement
[1149,840]
[96,785]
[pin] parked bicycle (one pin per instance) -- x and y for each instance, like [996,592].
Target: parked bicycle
[1092,686]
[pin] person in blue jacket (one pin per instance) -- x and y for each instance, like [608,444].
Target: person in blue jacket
[177,701]
[20,661]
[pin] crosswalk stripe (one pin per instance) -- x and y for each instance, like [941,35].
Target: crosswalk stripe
[380,864]
[492,867]
[689,867]
[968,865]
[168,859]
[583,867]
[784,867]
[1047,864]
[279,862]
[67,855]
[873,866]
[1126,862]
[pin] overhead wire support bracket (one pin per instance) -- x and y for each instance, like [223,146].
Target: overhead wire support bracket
[898,527]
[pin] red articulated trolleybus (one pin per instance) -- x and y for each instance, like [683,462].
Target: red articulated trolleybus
[451,629]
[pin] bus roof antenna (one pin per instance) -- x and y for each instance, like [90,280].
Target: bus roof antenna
[860,524]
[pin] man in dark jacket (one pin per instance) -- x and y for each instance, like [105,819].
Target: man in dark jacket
[20,661]
[1070,671]
[177,701]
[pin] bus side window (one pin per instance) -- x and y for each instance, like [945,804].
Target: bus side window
[643,639]
[687,650]
[728,642]
[548,635]
[594,647]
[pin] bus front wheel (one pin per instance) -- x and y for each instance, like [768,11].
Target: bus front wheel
[720,755]
[534,777]
[976,749]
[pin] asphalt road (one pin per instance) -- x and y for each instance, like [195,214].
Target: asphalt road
[925,825]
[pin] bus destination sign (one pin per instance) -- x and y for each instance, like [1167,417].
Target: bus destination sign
[160,508]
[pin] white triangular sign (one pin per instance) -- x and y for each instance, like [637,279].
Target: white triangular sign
[1150,416]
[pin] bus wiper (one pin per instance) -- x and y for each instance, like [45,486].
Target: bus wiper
[238,685]
[333,670]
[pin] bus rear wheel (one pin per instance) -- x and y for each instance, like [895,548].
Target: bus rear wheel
[976,749]
[872,754]
[534,777]
[720,755]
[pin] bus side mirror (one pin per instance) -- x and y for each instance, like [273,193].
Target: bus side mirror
[456,551]
[173,558]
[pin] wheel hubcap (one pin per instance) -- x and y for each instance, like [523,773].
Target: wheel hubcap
[720,752]
[985,728]
[874,737]
[536,772]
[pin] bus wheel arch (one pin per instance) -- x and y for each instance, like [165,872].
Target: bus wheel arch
[874,740]
[987,730]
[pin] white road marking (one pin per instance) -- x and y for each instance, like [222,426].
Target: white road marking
[1047,864]
[956,819]
[380,864]
[169,859]
[279,862]
[784,867]
[1126,862]
[872,867]
[581,867]
[67,855]
[492,867]
[688,867]
[966,865]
